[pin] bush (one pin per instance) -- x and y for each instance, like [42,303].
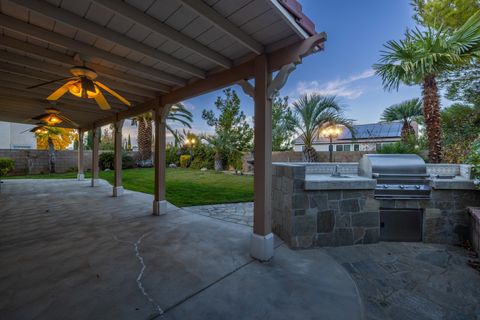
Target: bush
[474,159]
[106,160]
[203,157]
[184,160]
[411,146]
[6,165]
[173,155]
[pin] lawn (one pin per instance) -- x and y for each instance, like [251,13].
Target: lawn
[185,187]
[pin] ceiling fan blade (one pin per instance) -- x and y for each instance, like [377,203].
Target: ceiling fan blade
[49,82]
[65,118]
[40,116]
[113,93]
[59,92]
[102,102]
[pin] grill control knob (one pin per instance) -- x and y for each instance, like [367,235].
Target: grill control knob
[417,187]
[385,186]
[402,186]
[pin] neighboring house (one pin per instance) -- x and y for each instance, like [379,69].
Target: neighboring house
[368,137]
[12,136]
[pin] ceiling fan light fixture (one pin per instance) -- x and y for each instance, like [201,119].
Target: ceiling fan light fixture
[52,120]
[41,130]
[77,90]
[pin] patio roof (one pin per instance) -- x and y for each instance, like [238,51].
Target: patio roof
[154,52]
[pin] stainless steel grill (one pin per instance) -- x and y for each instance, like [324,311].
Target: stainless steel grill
[399,176]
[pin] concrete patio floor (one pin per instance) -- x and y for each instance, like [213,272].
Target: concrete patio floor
[69,251]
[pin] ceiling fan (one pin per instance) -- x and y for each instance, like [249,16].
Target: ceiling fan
[52,117]
[83,85]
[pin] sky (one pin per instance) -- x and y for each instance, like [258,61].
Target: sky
[356,31]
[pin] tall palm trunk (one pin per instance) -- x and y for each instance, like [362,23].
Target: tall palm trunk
[218,165]
[310,154]
[145,139]
[51,155]
[407,130]
[431,113]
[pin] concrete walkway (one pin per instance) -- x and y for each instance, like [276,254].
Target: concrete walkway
[69,251]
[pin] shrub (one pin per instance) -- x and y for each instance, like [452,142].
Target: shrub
[6,165]
[106,160]
[203,157]
[474,159]
[411,146]
[184,160]
[173,155]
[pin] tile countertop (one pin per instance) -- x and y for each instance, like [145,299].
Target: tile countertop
[355,182]
[346,182]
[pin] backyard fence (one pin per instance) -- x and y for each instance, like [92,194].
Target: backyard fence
[36,161]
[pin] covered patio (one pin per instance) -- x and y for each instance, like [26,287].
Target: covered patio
[70,251]
[155,54]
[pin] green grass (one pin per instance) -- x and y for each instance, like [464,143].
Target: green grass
[185,187]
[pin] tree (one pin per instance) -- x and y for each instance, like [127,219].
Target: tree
[54,138]
[233,134]
[107,139]
[89,141]
[283,124]
[312,112]
[407,111]
[446,13]
[420,58]
[231,123]
[460,128]
[129,143]
[178,113]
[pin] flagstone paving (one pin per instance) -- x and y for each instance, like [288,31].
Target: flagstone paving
[241,213]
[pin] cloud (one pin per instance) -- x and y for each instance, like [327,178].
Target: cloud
[188,105]
[340,87]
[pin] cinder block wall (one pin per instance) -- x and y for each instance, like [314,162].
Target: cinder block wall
[36,161]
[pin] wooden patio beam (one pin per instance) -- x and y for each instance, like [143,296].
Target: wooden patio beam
[68,61]
[96,30]
[205,11]
[154,25]
[75,45]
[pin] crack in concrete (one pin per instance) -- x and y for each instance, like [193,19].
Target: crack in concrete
[136,244]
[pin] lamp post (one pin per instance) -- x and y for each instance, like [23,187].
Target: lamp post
[331,132]
[190,143]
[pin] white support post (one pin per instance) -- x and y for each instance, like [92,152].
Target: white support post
[95,147]
[117,186]
[160,202]
[80,158]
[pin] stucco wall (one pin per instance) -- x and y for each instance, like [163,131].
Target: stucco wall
[36,161]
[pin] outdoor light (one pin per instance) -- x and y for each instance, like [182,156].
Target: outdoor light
[332,132]
[41,130]
[77,90]
[52,120]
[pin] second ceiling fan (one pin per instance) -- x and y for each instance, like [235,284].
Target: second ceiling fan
[83,85]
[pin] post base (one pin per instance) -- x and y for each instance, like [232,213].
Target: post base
[159,207]
[95,182]
[80,176]
[261,247]
[117,191]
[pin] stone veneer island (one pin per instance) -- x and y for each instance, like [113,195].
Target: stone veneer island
[310,208]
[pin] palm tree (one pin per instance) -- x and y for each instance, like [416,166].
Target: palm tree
[221,145]
[407,111]
[178,113]
[420,58]
[314,112]
[49,137]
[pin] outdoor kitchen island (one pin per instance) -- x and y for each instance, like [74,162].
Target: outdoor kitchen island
[311,207]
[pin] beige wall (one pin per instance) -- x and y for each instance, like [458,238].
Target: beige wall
[36,161]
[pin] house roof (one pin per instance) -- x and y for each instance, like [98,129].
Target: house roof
[380,130]
[142,49]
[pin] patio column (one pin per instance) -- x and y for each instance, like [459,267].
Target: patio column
[160,202]
[95,147]
[117,183]
[80,171]
[262,237]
